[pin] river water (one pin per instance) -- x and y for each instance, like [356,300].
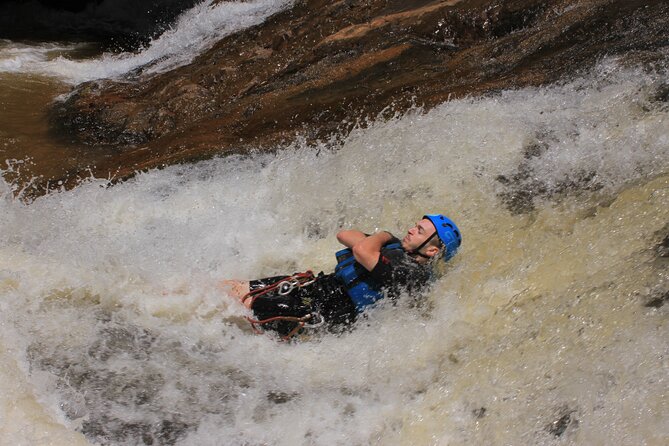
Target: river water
[548,328]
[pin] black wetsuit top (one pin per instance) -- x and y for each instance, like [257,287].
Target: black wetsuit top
[395,271]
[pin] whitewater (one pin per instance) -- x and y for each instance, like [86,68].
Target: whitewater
[195,31]
[547,328]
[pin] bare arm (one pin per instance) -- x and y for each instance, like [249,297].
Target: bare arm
[350,237]
[367,250]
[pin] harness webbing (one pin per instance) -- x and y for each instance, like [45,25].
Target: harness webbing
[284,286]
[301,322]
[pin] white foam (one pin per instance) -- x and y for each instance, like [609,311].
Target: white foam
[194,31]
[500,330]
[21,57]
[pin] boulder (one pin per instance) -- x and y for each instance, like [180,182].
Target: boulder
[320,67]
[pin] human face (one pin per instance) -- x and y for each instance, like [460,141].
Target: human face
[418,234]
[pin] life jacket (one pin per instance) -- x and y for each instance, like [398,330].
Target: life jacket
[360,287]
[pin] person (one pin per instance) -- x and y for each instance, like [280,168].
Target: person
[368,269]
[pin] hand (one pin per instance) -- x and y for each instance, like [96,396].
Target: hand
[368,250]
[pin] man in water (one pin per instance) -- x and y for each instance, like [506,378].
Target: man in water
[368,267]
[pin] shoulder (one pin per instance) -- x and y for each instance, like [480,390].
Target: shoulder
[395,266]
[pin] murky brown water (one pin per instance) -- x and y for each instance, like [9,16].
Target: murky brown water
[29,151]
[547,329]
[26,148]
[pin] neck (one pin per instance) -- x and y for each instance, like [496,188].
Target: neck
[418,258]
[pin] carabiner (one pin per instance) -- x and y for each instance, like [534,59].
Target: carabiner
[287,286]
[314,315]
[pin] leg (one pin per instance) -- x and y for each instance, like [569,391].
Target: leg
[236,289]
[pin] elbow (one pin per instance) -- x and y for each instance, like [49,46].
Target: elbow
[364,256]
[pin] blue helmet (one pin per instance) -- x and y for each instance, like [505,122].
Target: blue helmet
[448,233]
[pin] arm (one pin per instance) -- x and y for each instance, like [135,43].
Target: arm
[350,237]
[368,250]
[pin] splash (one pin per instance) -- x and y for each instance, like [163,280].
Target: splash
[195,31]
[109,295]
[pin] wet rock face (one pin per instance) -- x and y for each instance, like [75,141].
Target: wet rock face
[115,384]
[319,67]
[94,389]
[659,295]
[663,247]
[523,186]
[565,418]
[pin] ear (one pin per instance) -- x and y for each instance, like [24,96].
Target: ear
[431,251]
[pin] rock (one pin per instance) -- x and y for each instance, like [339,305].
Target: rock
[95,384]
[321,66]
[278,397]
[560,425]
[663,247]
[479,413]
[658,300]
[109,430]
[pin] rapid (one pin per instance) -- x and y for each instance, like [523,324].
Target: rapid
[195,30]
[549,327]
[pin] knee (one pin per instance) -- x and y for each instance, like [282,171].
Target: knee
[235,288]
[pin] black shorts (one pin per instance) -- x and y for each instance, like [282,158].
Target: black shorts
[275,304]
[325,296]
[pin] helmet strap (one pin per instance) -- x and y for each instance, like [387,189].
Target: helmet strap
[422,245]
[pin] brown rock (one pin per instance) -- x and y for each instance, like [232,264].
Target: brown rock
[321,65]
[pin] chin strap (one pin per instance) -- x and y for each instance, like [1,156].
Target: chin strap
[417,252]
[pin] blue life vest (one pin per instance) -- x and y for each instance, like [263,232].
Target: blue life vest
[362,290]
